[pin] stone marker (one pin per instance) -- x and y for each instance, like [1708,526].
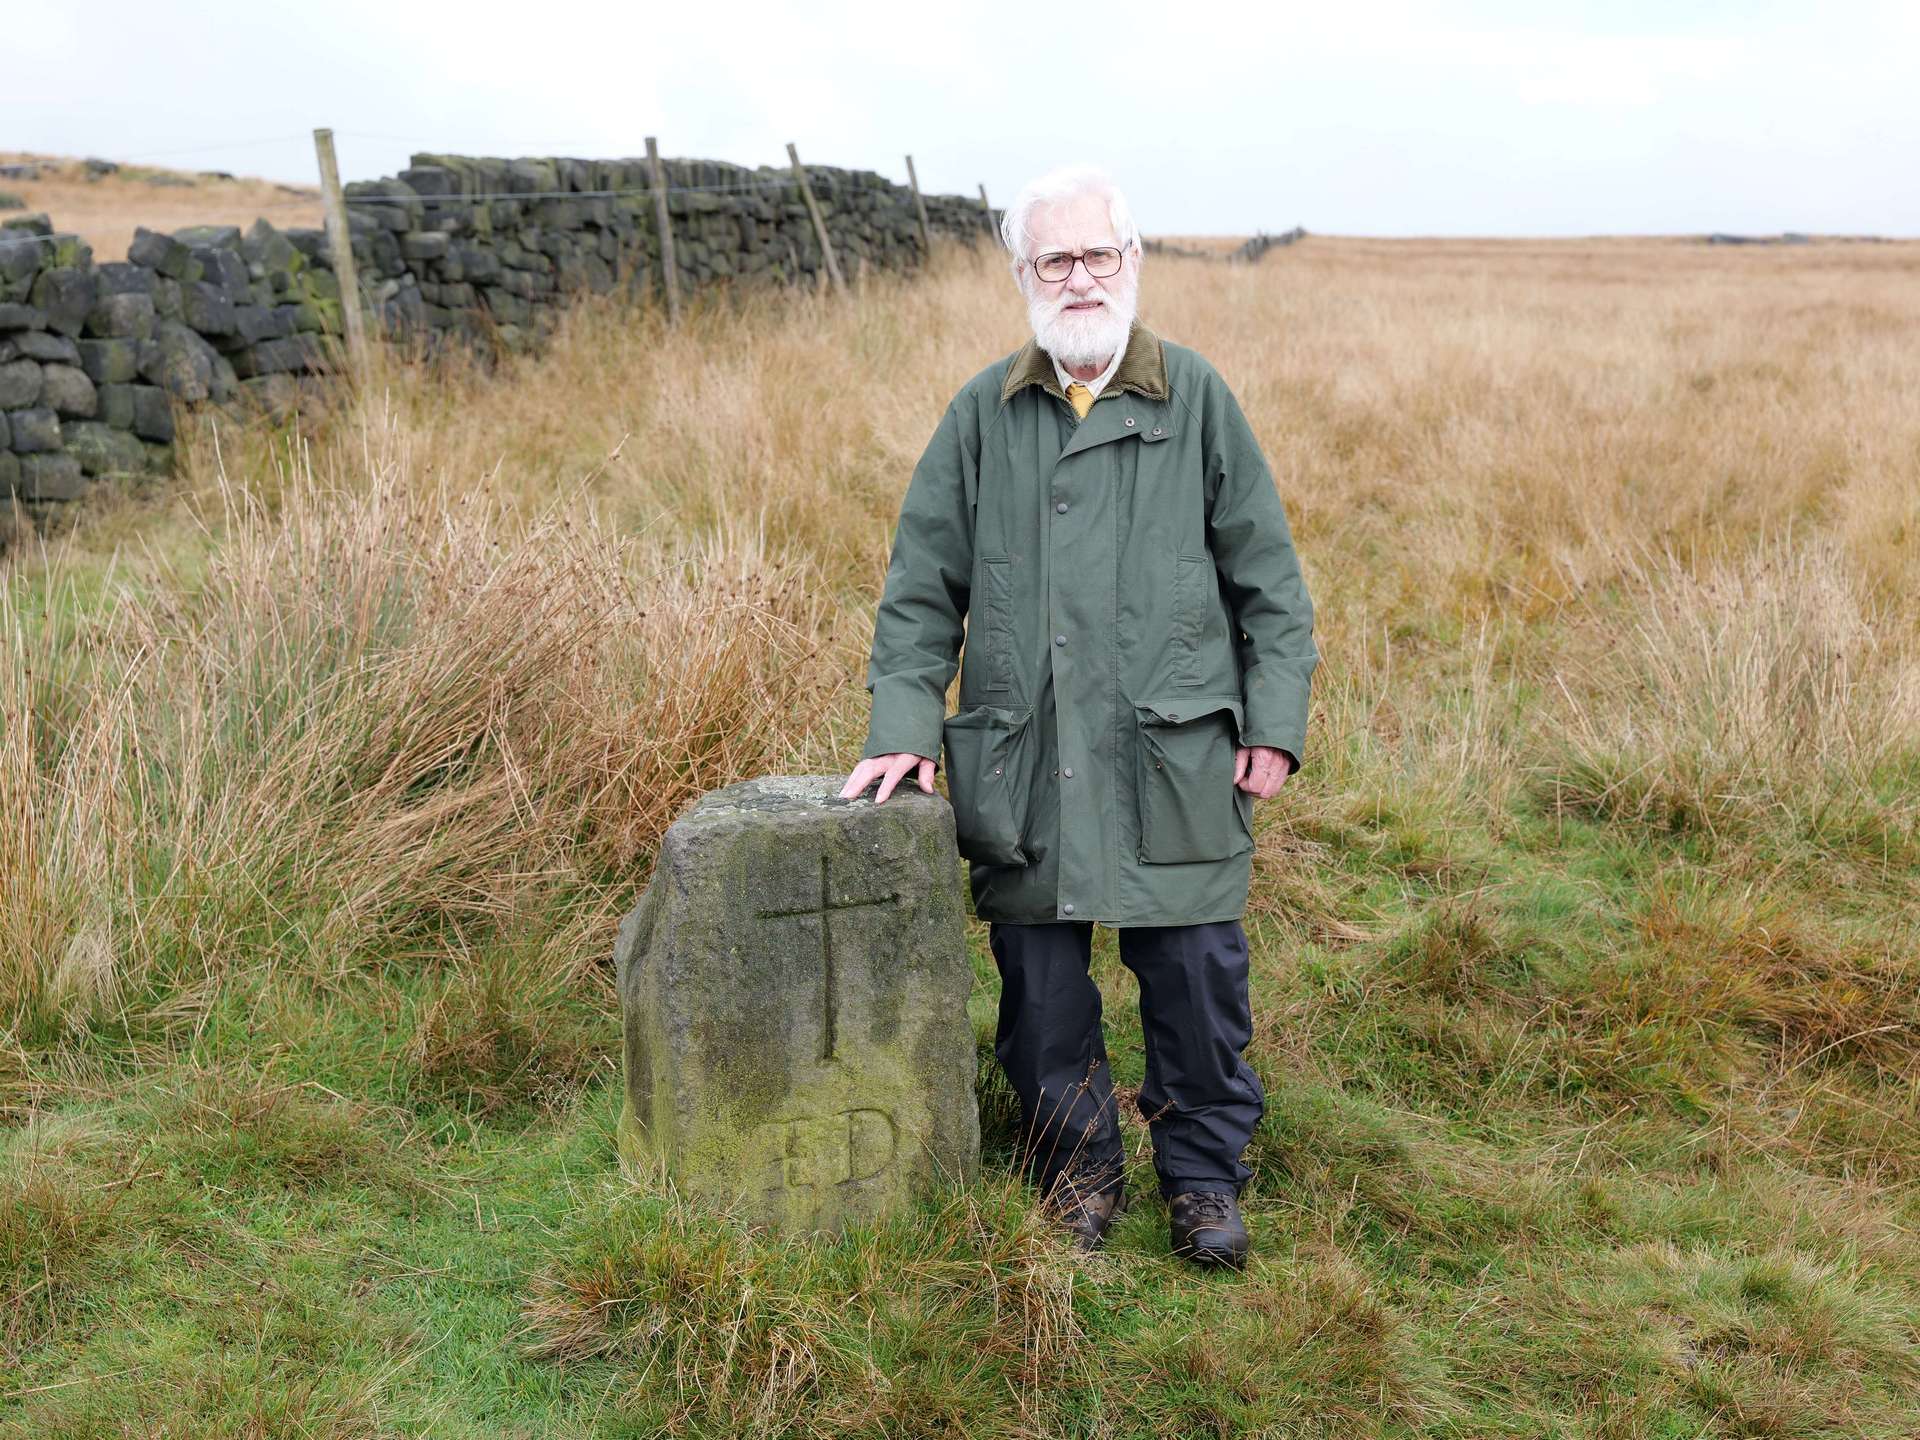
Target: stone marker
[793,986]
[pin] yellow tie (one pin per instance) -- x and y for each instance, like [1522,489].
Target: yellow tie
[1081,397]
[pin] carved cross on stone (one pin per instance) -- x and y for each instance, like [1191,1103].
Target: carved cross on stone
[733,1087]
[827,905]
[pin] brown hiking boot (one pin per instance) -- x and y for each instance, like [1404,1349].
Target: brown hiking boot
[1087,1218]
[1206,1228]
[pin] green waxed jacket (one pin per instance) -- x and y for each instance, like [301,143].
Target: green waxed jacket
[1133,610]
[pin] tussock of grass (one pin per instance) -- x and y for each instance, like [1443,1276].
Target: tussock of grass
[1768,694]
[1294,1350]
[917,1324]
[1774,1343]
[372,725]
[53,1227]
[243,1131]
[1459,949]
[1752,962]
[505,1031]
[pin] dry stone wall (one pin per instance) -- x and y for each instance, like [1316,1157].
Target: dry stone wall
[460,244]
[95,358]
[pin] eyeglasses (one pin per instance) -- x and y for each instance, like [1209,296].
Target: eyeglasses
[1057,265]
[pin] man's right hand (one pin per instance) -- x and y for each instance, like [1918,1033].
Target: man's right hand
[888,769]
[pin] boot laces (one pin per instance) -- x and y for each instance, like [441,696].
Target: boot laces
[1209,1205]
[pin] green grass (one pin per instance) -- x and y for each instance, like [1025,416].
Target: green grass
[1498,1191]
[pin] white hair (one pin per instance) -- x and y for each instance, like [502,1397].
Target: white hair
[1064,183]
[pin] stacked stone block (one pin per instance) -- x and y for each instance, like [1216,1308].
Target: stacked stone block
[49,399]
[258,304]
[95,358]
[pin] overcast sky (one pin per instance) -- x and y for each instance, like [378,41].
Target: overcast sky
[1385,117]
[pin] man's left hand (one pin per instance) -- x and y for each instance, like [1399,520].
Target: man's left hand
[1260,768]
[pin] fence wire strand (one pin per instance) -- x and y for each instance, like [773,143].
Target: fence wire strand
[773,182]
[789,183]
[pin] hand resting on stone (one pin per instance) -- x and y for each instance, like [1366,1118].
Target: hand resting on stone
[888,770]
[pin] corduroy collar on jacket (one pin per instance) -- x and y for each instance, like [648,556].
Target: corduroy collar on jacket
[1143,369]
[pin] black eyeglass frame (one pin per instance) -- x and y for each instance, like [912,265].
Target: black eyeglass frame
[1080,258]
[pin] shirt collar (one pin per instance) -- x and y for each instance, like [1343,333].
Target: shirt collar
[1099,382]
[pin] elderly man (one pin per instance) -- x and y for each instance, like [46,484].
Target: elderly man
[1139,645]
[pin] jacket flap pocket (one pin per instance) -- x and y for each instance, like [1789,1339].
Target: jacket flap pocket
[1179,709]
[989,781]
[1190,809]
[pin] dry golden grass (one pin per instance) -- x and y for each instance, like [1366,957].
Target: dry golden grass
[1632,520]
[383,714]
[1206,244]
[105,210]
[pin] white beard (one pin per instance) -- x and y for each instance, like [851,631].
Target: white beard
[1081,338]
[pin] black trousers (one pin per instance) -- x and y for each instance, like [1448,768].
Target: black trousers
[1201,1099]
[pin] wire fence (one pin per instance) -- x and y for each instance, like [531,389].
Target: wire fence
[544,151]
[22,237]
[818,174]
[786,183]
[220,147]
[775,183]
[216,148]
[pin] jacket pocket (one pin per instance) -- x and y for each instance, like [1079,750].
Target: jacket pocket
[989,781]
[1190,591]
[1190,809]
[997,622]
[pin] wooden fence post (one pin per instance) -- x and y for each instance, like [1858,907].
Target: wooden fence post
[340,242]
[819,221]
[669,270]
[991,227]
[926,232]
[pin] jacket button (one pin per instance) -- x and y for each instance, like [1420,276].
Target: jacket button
[1061,507]
[1059,639]
[1067,909]
[1158,430]
[1068,772]
[1129,422]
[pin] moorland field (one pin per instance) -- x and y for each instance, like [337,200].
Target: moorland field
[1585,986]
[105,209]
